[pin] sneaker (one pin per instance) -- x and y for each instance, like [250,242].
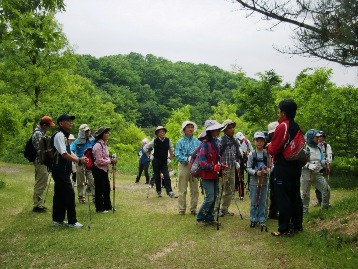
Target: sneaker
[226,213]
[59,223]
[75,225]
[193,212]
[39,209]
[172,195]
[181,212]
[281,234]
[159,194]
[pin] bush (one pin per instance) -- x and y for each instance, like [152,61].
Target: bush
[344,172]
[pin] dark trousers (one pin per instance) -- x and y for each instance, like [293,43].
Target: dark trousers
[287,190]
[273,211]
[143,167]
[103,189]
[161,166]
[63,198]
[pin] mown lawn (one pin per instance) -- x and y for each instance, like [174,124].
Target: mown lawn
[148,233]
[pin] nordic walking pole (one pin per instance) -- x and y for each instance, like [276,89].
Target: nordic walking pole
[219,202]
[88,191]
[48,186]
[114,184]
[233,196]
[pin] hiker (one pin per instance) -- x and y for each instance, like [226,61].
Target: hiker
[312,172]
[143,163]
[161,145]
[328,155]
[84,176]
[209,159]
[71,138]
[245,149]
[41,170]
[273,210]
[184,148]
[64,195]
[100,170]
[287,173]
[230,157]
[258,169]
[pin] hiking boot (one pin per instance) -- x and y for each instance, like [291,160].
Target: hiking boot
[172,195]
[159,194]
[75,225]
[226,213]
[181,212]
[252,224]
[213,223]
[59,223]
[276,234]
[193,212]
[39,209]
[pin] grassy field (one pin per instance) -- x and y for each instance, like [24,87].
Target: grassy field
[149,233]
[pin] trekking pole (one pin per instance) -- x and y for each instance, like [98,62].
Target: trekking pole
[88,191]
[48,186]
[233,196]
[264,226]
[114,184]
[218,210]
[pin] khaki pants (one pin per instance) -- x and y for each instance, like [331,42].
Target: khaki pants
[81,180]
[41,176]
[228,187]
[185,178]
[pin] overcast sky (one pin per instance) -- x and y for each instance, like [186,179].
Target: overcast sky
[213,32]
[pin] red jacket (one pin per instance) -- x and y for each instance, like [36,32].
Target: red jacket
[208,158]
[279,138]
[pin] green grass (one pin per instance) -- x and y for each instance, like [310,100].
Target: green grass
[148,233]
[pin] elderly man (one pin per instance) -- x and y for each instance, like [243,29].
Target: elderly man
[83,141]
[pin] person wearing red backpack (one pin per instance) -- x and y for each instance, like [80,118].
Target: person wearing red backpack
[100,170]
[287,173]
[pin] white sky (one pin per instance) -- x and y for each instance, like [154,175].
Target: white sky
[213,32]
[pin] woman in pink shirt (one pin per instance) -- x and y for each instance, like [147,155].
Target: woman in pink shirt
[100,170]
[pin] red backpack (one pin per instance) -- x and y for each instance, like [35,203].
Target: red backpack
[89,154]
[294,148]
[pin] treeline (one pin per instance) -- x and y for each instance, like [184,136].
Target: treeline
[146,89]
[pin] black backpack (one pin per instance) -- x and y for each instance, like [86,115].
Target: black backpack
[30,152]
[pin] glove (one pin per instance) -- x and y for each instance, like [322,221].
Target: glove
[314,166]
[237,165]
[151,157]
[169,161]
[217,167]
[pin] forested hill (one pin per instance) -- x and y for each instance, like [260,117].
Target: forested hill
[146,89]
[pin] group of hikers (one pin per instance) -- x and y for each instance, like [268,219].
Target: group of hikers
[222,162]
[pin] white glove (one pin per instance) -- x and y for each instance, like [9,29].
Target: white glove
[151,157]
[237,165]
[189,159]
[314,166]
[169,161]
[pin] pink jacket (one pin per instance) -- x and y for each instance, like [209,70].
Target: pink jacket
[101,155]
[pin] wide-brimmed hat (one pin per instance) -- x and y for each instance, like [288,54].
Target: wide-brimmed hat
[272,127]
[159,128]
[65,117]
[209,126]
[259,135]
[185,123]
[84,127]
[240,136]
[144,141]
[227,122]
[47,120]
[102,130]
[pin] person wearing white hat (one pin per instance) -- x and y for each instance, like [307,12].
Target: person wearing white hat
[184,148]
[161,146]
[83,141]
[231,157]
[209,159]
[143,163]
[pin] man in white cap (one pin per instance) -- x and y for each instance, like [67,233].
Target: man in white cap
[84,176]
[41,171]
[230,157]
[161,145]
[184,148]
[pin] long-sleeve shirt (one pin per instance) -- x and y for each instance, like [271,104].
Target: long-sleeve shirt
[79,149]
[101,155]
[280,138]
[38,133]
[150,145]
[185,147]
[230,152]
